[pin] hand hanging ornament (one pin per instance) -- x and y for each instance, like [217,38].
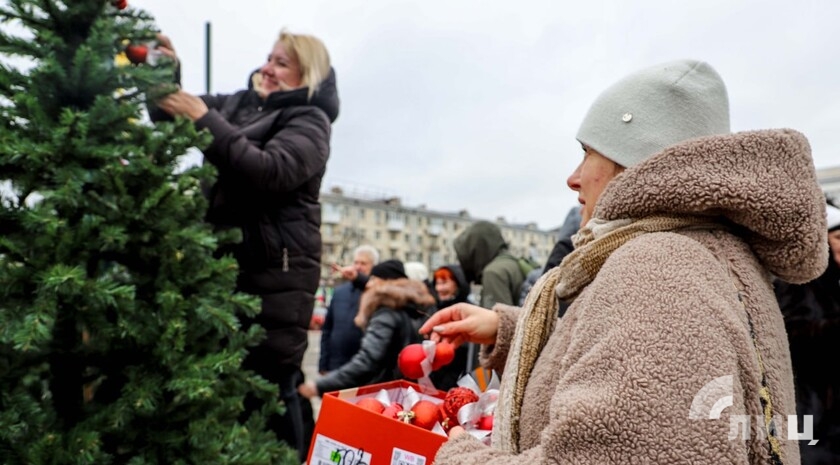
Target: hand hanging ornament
[143,53]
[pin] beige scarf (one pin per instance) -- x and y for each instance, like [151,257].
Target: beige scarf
[594,243]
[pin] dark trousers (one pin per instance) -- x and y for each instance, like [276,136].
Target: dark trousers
[296,425]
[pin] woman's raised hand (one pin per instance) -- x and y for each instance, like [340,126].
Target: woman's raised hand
[462,323]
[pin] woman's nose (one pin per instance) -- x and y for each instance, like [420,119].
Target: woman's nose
[574,180]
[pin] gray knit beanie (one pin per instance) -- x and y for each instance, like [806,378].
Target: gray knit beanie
[655,108]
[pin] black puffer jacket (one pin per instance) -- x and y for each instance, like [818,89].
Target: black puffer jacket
[271,156]
[387,332]
[812,320]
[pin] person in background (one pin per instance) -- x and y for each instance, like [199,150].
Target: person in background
[340,338]
[672,307]
[451,287]
[484,258]
[270,146]
[417,271]
[812,319]
[562,247]
[389,329]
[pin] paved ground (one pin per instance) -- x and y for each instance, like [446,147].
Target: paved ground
[310,364]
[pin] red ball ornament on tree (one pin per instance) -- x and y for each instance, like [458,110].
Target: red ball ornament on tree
[120,4]
[137,53]
[444,354]
[369,403]
[456,398]
[426,414]
[410,359]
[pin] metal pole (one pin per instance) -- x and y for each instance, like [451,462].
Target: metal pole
[207,57]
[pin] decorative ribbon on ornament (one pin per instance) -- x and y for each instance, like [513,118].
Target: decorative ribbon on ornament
[405,399]
[426,365]
[472,416]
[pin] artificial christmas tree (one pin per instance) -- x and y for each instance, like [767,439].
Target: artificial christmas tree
[120,340]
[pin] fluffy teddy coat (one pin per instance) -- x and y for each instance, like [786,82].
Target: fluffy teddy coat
[672,312]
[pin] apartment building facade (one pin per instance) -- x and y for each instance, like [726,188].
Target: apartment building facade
[411,233]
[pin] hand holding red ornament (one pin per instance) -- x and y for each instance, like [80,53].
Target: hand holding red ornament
[418,360]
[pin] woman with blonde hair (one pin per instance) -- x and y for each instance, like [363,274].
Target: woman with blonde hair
[270,145]
[673,349]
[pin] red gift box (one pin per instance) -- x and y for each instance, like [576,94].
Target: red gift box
[346,434]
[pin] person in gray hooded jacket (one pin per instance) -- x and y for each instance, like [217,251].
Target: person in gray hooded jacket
[484,258]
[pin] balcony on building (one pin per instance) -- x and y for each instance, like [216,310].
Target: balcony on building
[330,214]
[435,227]
[396,221]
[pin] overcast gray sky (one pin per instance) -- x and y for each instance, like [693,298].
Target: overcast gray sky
[467,104]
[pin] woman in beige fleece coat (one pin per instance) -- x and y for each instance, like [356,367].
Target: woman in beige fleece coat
[674,341]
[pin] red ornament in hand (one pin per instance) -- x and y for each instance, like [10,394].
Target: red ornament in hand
[456,398]
[369,403]
[410,359]
[426,414]
[444,354]
[137,53]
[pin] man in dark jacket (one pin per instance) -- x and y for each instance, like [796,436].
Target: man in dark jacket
[340,337]
[270,146]
[484,257]
[812,320]
[388,331]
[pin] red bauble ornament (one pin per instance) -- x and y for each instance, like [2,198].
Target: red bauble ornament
[392,410]
[409,361]
[426,414]
[369,403]
[444,354]
[485,423]
[456,398]
[120,4]
[137,53]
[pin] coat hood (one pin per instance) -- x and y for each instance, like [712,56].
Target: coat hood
[326,97]
[477,246]
[401,294]
[463,285]
[763,182]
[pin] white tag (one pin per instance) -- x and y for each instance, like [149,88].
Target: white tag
[404,457]
[328,451]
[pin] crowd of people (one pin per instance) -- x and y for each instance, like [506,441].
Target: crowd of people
[664,284]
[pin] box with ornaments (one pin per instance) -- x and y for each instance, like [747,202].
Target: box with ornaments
[381,424]
[400,422]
